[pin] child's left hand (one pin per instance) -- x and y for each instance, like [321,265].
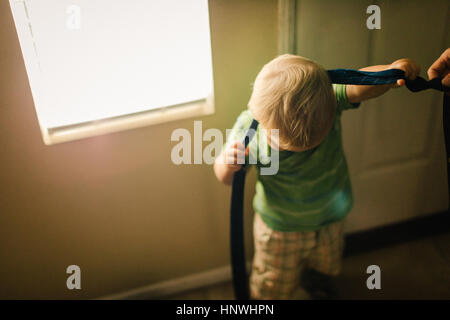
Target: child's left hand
[412,70]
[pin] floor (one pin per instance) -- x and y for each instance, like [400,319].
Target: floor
[418,269]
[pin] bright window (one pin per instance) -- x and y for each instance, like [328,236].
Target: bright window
[99,66]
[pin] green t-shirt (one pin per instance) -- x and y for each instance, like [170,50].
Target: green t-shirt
[311,188]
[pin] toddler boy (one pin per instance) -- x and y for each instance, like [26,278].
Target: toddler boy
[299,211]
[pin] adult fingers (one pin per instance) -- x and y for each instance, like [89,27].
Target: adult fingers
[441,67]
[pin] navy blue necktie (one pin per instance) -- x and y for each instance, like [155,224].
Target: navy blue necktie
[340,76]
[349,76]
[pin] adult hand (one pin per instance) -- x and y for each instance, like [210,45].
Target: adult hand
[441,68]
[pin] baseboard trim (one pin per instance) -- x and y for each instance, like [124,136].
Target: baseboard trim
[170,287]
[413,229]
[356,243]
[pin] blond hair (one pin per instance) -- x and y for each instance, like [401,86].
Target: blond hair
[294,95]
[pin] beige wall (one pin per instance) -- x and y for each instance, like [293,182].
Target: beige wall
[115,205]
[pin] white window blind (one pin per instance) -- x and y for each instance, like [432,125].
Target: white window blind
[90,60]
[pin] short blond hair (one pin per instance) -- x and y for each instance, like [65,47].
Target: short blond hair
[294,95]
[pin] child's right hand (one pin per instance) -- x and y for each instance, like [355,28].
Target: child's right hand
[234,156]
[229,161]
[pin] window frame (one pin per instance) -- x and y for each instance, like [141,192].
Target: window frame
[55,135]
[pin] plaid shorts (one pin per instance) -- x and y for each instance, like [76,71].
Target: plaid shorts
[280,257]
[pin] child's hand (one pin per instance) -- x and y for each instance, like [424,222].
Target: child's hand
[412,70]
[229,161]
[233,156]
[356,93]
